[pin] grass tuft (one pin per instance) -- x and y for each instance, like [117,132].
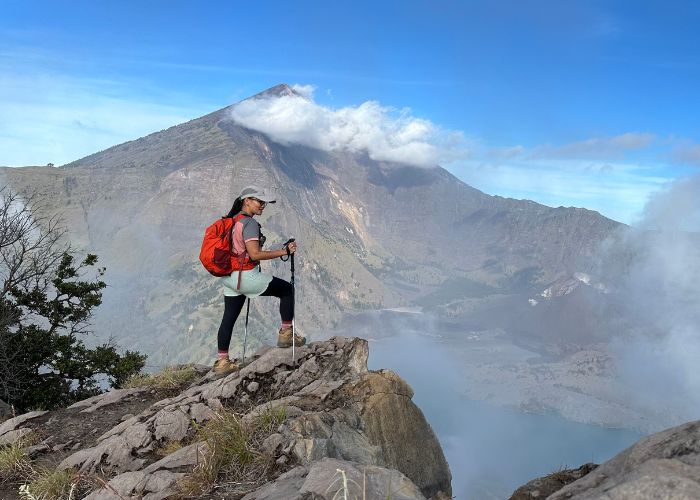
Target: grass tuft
[15,464]
[48,484]
[235,453]
[169,378]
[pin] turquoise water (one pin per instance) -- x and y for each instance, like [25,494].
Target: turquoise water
[491,450]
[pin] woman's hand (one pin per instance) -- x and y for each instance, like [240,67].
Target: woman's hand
[255,253]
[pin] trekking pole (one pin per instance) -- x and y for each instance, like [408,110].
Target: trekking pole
[294,328]
[245,335]
[291,255]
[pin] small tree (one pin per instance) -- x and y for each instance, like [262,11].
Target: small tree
[45,307]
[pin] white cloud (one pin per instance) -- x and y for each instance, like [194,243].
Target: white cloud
[384,133]
[661,289]
[687,153]
[610,148]
[675,208]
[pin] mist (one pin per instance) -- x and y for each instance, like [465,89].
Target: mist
[491,450]
[660,288]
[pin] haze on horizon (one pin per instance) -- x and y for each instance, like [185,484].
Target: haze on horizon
[578,104]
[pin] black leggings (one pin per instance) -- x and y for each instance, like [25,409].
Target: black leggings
[233,305]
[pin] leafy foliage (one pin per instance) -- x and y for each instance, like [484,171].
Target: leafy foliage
[45,306]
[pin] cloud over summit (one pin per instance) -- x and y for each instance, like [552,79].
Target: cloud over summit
[384,133]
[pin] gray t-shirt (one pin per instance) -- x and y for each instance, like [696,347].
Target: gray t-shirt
[251,229]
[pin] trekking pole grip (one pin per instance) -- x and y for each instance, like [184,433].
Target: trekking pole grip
[286,247]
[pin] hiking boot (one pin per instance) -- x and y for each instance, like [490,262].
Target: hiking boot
[224,365]
[284,339]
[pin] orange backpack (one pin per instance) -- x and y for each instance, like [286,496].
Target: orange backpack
[218,255]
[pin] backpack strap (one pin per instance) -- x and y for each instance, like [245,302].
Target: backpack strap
[236,219]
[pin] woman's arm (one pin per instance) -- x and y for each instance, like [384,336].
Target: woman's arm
[255,253]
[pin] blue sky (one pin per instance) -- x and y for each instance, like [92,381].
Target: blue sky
[583,103]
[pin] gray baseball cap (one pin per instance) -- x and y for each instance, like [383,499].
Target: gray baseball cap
[256,192]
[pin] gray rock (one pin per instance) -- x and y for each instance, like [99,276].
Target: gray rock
[253,387]
[121,485]
[271,359]
[320,388]
[13,436]
[325,434]
[330,478]
[170,425]
[138,484]
[113,453]
[310,366]
[665,465]
[121,427]
[285,487]
[214,404]
[285,404]
[544,486]
[161,485]
[14,423]
[272,442]
[104,494]
[187,456]
[399,429]
[33,451]
[114,396]
[200,412]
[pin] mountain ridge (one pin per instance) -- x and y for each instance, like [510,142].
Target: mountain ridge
[142,206]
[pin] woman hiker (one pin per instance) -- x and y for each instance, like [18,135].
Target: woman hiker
[247,239]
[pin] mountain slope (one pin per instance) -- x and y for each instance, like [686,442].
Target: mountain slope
[371,234]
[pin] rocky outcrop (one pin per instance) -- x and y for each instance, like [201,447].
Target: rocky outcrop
[13,430]
[322,479]
[542,487]
[665,465]
[343,425]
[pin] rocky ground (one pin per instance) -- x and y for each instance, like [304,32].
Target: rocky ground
[544,486]
[341,424]
[60,433]
[665,465]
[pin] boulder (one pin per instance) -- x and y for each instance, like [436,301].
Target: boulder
[665,465]
[542,487]
[94,403]
[330,479]
[11,430]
